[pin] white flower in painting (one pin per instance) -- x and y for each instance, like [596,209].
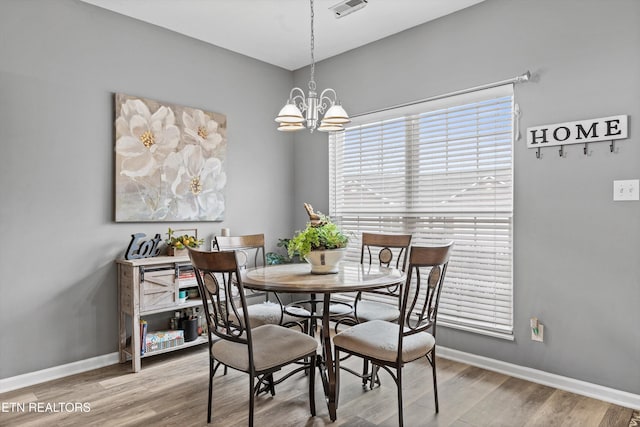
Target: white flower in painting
[144,139]
[197,184]
[200,129]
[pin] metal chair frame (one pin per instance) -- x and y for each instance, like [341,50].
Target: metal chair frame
[255,243]
[419,310]
[386,242]
[387,245]
[218,275]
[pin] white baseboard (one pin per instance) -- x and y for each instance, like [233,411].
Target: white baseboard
[618,397]
[55,372]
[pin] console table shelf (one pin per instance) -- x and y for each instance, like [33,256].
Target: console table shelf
[149,286]
[197,341]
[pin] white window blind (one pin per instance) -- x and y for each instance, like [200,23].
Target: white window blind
[441,170]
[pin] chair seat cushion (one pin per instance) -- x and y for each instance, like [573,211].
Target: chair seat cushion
[378,339]
[268,313]
[371,310]
[295,314]
[273,346]
[339,308]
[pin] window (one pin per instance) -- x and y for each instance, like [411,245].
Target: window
[441,170]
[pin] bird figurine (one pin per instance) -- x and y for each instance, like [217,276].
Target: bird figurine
[314,218]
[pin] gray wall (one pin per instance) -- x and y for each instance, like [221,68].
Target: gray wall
[60,63]
[576,263]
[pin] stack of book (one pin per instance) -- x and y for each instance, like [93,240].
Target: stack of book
[187,277]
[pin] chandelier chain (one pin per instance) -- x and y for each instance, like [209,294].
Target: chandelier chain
[312,82]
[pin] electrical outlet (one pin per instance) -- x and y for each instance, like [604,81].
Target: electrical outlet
[627,189]
[540,335]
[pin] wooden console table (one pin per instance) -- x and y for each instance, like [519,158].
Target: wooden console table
[150,286]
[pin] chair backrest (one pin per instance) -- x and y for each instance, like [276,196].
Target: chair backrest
[249,253]
[421,293]
[248,246]
[389,246]
[218,276]
[392,250]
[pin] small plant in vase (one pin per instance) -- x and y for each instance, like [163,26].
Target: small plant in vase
[177,244]
[321,243]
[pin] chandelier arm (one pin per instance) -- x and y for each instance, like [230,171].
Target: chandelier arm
[327,99]
[298,98]
[296,92]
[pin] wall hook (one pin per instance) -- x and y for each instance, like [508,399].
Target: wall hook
[561,151]
[538,153]
[612,146]
[585,150]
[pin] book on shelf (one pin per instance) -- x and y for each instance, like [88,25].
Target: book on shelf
[143,336]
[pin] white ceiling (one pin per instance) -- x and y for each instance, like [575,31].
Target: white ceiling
[278,31]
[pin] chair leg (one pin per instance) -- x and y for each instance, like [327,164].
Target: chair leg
[365,372]
[400,406]
[337,368]
[271,386]
[312,386]
[210,404]
[251,398]
[374,376]
[435,381]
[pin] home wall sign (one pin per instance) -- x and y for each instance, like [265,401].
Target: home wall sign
[578,132]
[170,162]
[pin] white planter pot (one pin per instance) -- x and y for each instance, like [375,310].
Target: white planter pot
[325,262]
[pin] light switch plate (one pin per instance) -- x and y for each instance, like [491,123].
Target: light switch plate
[628,189]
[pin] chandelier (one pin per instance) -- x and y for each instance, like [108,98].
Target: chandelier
[290,117]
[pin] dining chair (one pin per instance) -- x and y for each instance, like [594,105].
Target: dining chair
[382,304]
[258,351]
[390,345]
[251,253]
[388,250]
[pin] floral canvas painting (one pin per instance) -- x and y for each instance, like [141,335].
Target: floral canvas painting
[170,162]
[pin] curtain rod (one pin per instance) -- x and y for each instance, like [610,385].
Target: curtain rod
[518,79]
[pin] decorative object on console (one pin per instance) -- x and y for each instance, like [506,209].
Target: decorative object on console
[290,117]
[170,162]
[141,248]
[322,244]
[177,243]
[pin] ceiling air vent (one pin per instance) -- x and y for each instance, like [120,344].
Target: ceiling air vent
[347,6]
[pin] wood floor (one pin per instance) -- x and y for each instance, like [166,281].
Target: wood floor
[171,390]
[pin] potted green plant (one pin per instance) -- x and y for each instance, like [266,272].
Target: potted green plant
[274,258]
[177,244]
[322,244]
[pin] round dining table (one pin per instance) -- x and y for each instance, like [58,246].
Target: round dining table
[298,279]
